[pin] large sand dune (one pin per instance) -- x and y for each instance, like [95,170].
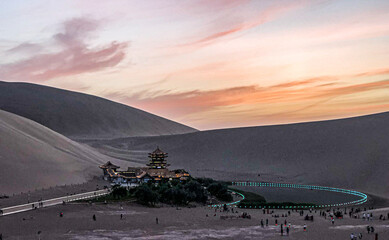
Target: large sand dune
[33,156]
[351,153]
[82,116]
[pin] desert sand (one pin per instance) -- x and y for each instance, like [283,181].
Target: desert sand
[183,223]
[33,156]
[81,116]
[38,153]
[349,153]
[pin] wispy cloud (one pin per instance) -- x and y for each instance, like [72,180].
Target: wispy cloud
[25,47]
[304,95]
[74,57]
[230,24]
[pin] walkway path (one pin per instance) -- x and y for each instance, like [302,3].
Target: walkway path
[52,202]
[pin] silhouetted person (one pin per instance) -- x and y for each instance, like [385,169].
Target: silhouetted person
[94,217]
[376,236]
[352,236]
[121,216]
[282,230]
[287,231]
[267,222]
[156,220]
[368,229]
[262,223]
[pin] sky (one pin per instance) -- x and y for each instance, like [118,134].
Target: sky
[208,64]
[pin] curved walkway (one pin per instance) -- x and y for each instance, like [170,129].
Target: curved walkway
[362,199]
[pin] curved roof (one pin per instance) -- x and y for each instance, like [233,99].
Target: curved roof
[157,151]
[109,165]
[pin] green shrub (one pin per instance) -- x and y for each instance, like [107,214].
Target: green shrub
[145,195]
[195,192]
[220,191]
[119,192]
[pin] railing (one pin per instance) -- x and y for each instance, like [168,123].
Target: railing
[231,203]
[363,197]
[52,202]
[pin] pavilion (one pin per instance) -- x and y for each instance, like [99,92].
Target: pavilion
[155,171]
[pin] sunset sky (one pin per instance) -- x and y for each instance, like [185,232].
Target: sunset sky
[207,63]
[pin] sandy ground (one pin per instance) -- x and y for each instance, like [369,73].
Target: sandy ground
[348,153]
[33,156]
[139,222]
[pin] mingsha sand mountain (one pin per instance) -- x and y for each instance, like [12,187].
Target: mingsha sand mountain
[33,156]
[352,153]
[81,116]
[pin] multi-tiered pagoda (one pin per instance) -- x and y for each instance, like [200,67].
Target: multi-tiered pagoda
[157,159]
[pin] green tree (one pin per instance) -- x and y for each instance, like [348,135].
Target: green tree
[195,191]
[119,192]
[145,195]
[220,191]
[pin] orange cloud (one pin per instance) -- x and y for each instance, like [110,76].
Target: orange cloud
[384,71]
[304,95]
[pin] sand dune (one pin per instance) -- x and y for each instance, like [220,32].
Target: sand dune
[82,116]
[351,153]
[33,156]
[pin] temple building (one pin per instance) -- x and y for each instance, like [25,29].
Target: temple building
[155,171]
[157,159]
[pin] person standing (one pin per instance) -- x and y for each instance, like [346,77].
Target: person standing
[282,230]
[305,227]
[121,216]
[352,236]
[267,222]
[262,223]
[156,220]
[287,231]
[94,217]
[333,221]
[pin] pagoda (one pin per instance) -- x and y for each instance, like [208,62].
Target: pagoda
[157,159]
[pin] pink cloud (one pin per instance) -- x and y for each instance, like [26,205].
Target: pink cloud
[25,48]
[228,25]
[75,56]
[309,94]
